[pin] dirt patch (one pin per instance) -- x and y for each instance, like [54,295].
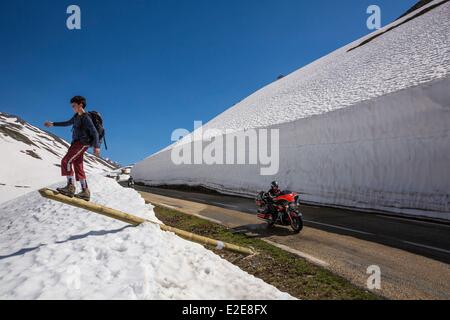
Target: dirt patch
[51,151]
[415,7]
[31,153]
[15,135]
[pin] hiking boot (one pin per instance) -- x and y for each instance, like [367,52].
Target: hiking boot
[85,195]
[68,190]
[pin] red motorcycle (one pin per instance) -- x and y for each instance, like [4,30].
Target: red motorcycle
[282,210]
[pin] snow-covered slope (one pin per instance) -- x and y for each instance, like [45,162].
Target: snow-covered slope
[412,54]
[30,158]
[366,126]
[49,250]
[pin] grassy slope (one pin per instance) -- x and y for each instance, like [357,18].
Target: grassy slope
[284,270]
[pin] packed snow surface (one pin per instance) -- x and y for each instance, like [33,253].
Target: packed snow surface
[49,250]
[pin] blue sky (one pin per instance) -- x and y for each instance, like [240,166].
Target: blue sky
[153,66]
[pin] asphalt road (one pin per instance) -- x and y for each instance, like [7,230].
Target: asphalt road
[413,255]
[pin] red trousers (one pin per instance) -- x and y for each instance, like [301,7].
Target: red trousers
[73,161]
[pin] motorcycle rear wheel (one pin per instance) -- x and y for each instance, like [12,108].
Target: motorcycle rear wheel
[270,224]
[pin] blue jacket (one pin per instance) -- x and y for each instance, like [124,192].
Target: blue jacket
[83,130]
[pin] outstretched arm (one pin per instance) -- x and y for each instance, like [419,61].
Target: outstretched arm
[65,123]
[60,124]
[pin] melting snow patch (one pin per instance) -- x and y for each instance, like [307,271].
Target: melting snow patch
[49,250]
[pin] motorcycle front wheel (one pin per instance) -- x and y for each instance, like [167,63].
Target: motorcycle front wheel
[297,224]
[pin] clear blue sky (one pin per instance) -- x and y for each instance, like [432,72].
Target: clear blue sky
[153,66]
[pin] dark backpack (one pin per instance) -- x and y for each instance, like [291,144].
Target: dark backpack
[98,124]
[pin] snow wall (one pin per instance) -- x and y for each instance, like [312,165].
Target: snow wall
[390,153]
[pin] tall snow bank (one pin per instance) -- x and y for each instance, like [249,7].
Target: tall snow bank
[366,129]
[49,250]
[392,155]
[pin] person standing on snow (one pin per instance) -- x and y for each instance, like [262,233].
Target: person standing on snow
[84,136]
